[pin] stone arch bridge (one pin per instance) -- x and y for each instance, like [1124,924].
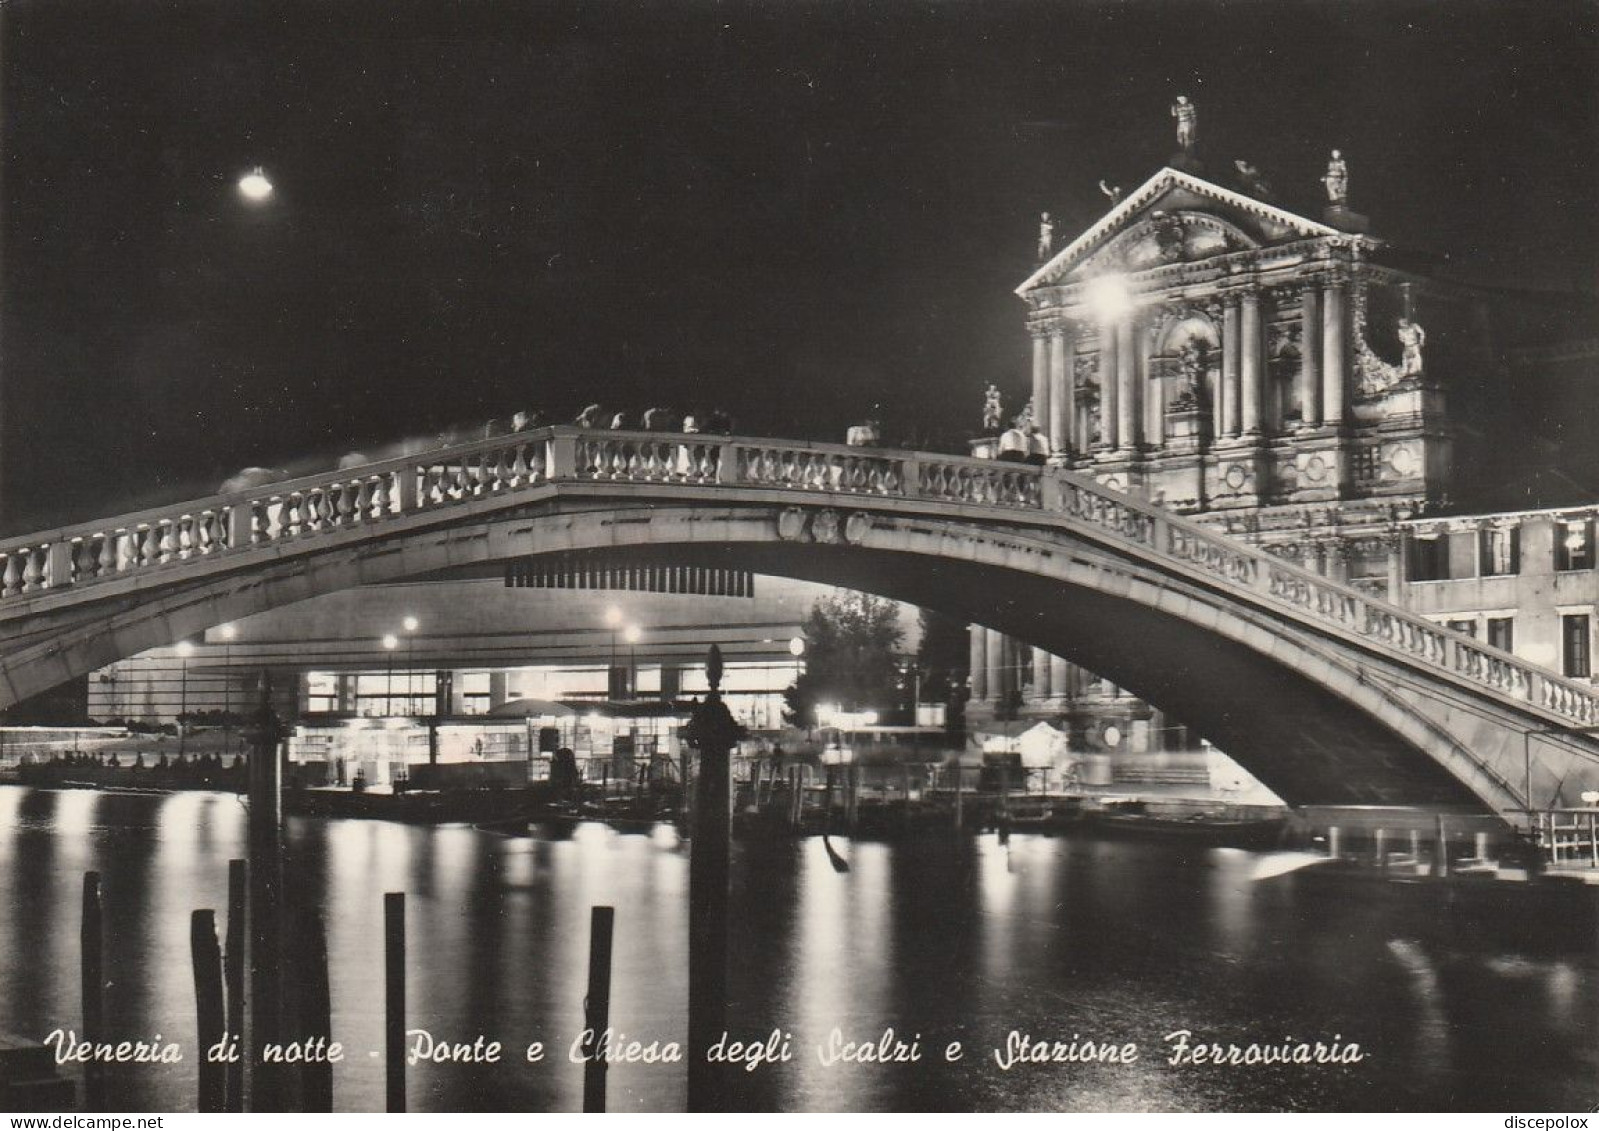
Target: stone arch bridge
[1325,694]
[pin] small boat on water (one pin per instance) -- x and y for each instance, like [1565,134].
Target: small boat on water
[1133,818]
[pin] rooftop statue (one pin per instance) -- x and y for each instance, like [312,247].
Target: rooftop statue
[1411,338]
[1337,180]
[993,408]
[1253,180]
[1046,236]
[1114,192]
[1187,115]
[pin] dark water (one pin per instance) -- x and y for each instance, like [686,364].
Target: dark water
[1114,941]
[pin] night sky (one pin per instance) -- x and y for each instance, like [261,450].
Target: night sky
[791,210]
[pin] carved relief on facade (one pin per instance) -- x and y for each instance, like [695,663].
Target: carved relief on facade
[1374,376]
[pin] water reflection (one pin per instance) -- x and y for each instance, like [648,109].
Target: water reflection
[942,940]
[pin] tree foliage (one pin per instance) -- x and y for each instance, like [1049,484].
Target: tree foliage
[851,646]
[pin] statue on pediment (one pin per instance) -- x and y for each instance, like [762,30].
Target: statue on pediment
[1411,338]
[1046,237]
[1112,192]
[1336,180]
[993,408]
[1253,180]
[1187,115]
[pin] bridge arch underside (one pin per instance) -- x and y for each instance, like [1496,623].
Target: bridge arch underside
[1305,716]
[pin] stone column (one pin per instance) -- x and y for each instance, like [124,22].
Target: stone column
[1332,354]
[1001,672]
[1398,546]
[1310,357]
[1250,363]
[1130,425]
[1230,342]
[993,659]
[977,665]
[1058,687]
[1109,416]
[1041,378]
[1041,684]
[1062,395]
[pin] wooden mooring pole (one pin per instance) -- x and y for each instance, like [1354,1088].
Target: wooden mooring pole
[315,1010]
[210,1028]
[713,732]
[394,999]
[267,1089]
[597,1007]
[92,939]
[233,978]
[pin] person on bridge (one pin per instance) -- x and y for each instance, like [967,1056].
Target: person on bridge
[1013,445]
[1037,446]
[660,420]
[719,423]
[589,417]
[691,422]
[619,422]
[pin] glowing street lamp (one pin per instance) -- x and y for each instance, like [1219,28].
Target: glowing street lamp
[254,186]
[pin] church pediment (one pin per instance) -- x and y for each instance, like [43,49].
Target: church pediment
[1174,217]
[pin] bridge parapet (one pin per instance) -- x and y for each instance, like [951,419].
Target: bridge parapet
[301,511]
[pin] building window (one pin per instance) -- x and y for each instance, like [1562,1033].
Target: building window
[1575,656]
[1500,550]
[1502,633]
[1368,464]
[1574,544]
[1469,627]
[1429,559]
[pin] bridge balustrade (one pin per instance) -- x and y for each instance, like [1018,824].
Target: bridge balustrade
[320,505]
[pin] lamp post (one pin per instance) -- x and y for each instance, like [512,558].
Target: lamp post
[410,624]
[254,186]
[228,632]
[613,620]
[390,643]
[185,649]
[632,634]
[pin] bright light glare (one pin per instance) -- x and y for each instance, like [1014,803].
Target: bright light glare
[228,631]
[613,616]
[632,634]
[391,641]
[185,648]
[254,185]
[411,624]
[1108,297]
[796,646]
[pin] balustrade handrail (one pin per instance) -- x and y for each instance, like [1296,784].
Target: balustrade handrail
[50,559]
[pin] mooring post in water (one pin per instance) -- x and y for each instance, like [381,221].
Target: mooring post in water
[394,997]
[92,938]
[713,732]
[233,977]
[1382,851]
[1440,849]
[796,797]
[267,1092]
[1415,848]
[206,957]
[960,773]
[1334,841]
[597,1007]
[315,1011]
[852,791]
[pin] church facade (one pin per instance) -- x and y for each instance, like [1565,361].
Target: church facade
[1301,385]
